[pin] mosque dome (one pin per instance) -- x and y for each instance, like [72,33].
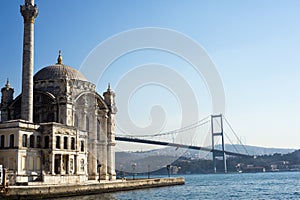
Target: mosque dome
[58,71]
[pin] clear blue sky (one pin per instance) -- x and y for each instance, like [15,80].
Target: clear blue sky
[254,44]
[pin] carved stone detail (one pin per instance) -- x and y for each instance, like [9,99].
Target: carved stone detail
[29,12]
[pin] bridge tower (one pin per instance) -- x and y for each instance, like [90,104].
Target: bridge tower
[217,131]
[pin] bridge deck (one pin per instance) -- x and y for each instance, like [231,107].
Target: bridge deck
[217,151]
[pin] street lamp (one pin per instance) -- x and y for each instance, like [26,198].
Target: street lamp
[133,170]
[168,168]
[148,171]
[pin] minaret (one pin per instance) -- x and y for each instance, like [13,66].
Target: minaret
[29,12]
[109,98]
[6,99]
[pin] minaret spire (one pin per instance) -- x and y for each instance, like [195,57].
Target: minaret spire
[108,88]
[29,12]
[59,58]
[7,85]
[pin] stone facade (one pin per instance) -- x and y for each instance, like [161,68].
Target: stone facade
[72,133]
[59,129]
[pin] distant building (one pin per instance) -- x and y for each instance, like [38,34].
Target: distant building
[249,168]
[59,129]
[280,166]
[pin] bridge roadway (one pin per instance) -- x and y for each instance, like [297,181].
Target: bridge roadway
[217,151]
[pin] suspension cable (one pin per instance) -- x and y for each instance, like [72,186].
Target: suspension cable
[236,135]
[186,128]
[171,132]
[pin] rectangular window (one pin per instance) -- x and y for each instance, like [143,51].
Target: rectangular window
[57,142]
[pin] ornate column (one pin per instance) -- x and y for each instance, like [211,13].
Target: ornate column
[29,12]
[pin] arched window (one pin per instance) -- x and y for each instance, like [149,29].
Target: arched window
[46,142]
[73,143]
[82,145]
[2,142]
[24,140]
[31,141]
[65,142]
[38,141]
[57,142]
[11,140]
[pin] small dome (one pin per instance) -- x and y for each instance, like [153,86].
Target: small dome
[58,71]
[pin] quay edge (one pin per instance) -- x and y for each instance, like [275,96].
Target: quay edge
[53,191]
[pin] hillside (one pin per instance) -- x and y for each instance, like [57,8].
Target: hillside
[156,159]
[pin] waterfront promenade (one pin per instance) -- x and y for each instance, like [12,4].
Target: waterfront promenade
[90,187]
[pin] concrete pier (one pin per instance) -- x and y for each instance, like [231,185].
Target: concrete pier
[92,187]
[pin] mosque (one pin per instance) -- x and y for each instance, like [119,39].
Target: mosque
[59,129]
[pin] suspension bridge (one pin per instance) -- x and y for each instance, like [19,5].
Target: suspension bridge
[216,129]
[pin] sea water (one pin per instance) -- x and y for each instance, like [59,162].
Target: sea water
[219,186]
